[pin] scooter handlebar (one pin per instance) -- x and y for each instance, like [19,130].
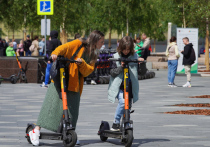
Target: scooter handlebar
[61,58]
[126,60]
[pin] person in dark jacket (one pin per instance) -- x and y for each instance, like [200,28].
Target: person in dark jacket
[53,44]
[5,47]
[1,48]
[48,46]
[27,43]
[187,61]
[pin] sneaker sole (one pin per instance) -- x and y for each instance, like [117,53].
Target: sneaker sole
[187,86]
[115,130]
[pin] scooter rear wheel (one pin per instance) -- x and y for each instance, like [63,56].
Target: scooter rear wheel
[102,128]
[129,138]
[71,139]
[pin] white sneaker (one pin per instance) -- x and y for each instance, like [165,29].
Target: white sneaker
[93,82]
[78,142]
[173,85]
[115,127]
[43,85]
[187,85]
[34,136]
[85,83]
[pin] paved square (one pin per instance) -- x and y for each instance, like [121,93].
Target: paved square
[21,103]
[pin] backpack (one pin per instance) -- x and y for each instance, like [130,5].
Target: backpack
[192,55]
[32,48]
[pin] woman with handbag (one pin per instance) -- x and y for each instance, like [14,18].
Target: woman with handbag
[52,108]
[172,53]
[34,48]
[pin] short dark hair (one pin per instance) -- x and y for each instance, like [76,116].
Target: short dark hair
[35,37]
[125,42]
[138,38]
[173,39]
[77,35]
[186,38]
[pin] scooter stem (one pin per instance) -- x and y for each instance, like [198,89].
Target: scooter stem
[63,92]
[126,93]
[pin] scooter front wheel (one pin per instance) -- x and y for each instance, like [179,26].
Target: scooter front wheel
[13,79]
[129,138]
[71,139]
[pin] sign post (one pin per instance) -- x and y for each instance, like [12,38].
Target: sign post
[192,34]
[45,7]
[43,27]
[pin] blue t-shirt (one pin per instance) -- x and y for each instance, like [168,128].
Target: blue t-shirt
[41,44]
[14,45]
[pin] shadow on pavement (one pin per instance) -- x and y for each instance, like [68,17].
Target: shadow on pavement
[191,87]
[51,144]
[136,142]
[144,141]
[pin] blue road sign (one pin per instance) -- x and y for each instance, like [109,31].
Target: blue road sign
[45,7]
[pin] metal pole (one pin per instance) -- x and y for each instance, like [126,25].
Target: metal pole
[207,45]
[45,34]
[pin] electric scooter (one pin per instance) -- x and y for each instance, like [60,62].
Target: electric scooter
[126,128]
[65,130]
[21,74]
[13,79]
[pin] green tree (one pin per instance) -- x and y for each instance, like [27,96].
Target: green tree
[11,17]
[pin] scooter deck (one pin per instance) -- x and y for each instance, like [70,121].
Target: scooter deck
[50,136]
[113,134]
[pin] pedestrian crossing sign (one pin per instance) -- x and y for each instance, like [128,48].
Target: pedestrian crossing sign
[45,7]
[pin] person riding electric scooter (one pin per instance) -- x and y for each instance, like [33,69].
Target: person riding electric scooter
[123,85]
[65,130]
[84,51]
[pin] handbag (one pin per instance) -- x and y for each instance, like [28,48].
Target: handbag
[32,48]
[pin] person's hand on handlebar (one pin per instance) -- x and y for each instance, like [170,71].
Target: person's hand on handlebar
[79,61]
[54,57]
[140,59]
[122,64]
